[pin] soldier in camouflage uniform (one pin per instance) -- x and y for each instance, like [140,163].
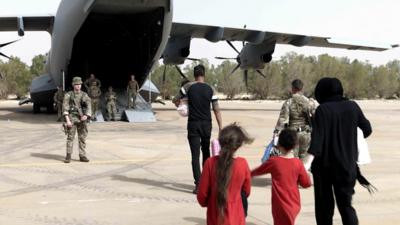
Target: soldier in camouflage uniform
[111,98]
[76,109]
[296,114]
[94,94]
[58,99]
[90,80]
[132,89]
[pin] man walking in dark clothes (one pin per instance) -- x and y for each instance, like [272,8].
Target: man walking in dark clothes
[200,97]
[334,150]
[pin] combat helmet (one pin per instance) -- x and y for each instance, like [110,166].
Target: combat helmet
[76,80]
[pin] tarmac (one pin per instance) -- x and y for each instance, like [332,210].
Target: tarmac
[140,173]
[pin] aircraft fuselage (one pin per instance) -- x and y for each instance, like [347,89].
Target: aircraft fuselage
[109,38]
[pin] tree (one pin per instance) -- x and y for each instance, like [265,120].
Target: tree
[356,80]
[16,78]
[230,85]
[38,65]
[169,85]
[382,84]
[394,70]
[269,87]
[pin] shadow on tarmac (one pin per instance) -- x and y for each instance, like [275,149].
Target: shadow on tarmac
[186,188]
[201,221]
[197,220]
[25,114]
[50,156]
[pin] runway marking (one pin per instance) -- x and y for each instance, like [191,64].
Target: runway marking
[99,162]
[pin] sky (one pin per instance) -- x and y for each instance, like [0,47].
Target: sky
[361,21]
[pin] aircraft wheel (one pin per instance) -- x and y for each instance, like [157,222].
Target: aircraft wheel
[36,108]
[50,109]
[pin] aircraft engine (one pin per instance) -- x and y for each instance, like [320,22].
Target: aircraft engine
[254,56]
[176,51]
[267,57]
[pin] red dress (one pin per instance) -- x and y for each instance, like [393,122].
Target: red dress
[286,174]
[240,180]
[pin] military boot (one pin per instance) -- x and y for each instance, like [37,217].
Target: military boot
[83,159]
[68,158]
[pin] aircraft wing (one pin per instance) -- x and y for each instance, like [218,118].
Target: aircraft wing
[27,23]
[214,34]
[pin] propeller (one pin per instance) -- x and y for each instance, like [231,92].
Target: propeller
[163,76]
[245,72]
[179,71]
[194,59]
[223,58]
[5,44]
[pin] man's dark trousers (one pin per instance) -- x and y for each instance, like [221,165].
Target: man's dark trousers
[199,134]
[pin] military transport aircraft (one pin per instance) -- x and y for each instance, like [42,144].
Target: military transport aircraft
[116,38]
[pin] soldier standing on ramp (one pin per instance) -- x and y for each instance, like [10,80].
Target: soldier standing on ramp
[111,98]
[77,109]
[90,80]
[94,94]
[132,89]
[296,114]
[58,99]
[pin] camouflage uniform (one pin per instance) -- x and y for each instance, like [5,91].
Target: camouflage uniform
[132,90]
[89,82]
[94,94]
[73,101]
[111,98]
[58,99]
[296,114]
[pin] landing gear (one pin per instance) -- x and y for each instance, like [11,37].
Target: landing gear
[36,108]
[50,108]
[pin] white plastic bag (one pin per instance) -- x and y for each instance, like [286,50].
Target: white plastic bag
[183,109]
[363,151]
[215,147]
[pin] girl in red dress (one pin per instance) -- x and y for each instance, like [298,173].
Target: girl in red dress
[223,178]
[287,173]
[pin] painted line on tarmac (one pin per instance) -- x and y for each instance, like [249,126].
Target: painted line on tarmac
[100,162]
[119,161]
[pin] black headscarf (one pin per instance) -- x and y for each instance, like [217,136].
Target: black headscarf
[329,89]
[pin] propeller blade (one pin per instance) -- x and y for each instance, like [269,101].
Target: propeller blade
[180,72]
[224,58]
[4,55]
[163,76]
[259,72]
[234,69]
[246,76]
[193,59]
[230,44]
[5,44]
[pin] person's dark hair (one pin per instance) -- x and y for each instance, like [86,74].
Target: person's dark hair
[231,138]
[328,88]
[288,139]
[297,85]
[199,70]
